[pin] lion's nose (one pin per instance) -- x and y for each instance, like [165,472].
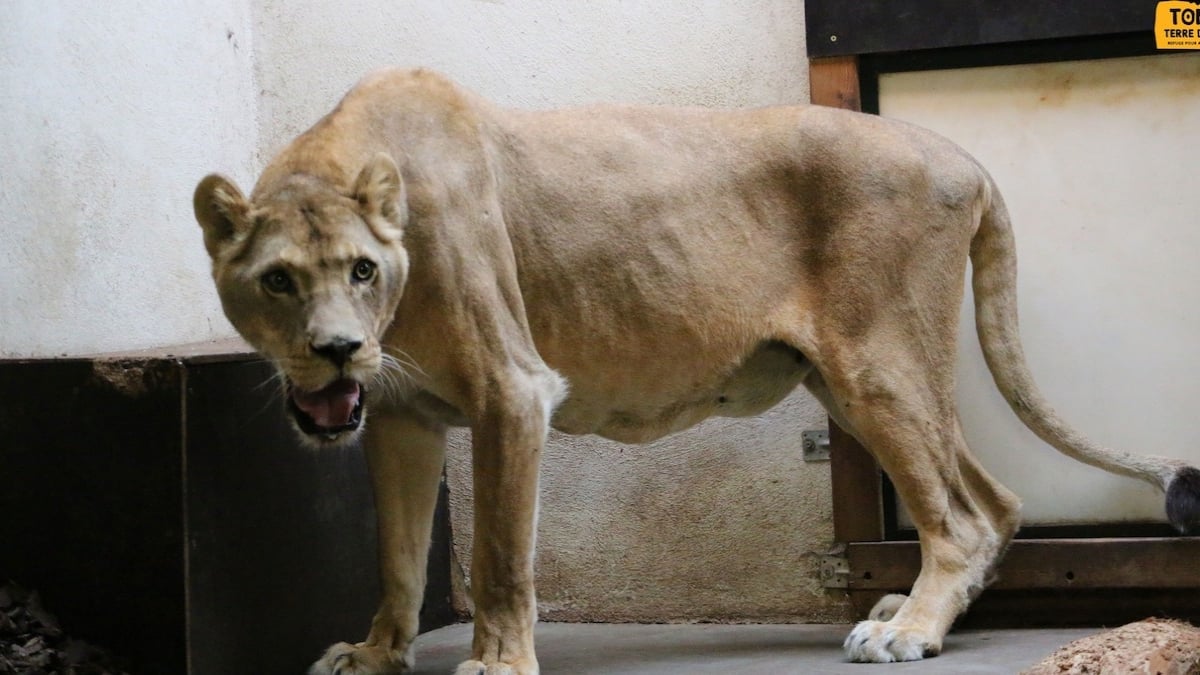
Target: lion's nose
[338,349]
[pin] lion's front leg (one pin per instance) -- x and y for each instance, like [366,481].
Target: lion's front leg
[506,451]
[405,453]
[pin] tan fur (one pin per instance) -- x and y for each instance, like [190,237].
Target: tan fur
[666,265]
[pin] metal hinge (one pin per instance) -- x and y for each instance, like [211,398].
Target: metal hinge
[816,445]
[835,569]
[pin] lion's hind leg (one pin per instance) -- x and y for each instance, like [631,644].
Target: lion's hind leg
[901,408]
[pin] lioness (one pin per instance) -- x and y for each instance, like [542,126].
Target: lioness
[627,272]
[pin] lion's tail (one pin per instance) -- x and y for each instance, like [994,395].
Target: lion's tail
[994,280]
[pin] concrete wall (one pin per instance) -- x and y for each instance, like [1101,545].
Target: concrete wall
[112,111]
[724,522]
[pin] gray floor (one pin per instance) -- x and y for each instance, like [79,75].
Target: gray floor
[616,649]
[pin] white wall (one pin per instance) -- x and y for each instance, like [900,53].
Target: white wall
[112,111]
[532,53]
[723,522]
[1097,162]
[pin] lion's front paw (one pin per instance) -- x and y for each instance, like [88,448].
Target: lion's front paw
[361,659]
[882,642]
[522,667]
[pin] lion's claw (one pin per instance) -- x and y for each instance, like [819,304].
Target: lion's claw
[882,642]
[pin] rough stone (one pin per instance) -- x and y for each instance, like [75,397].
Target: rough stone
[1149,647]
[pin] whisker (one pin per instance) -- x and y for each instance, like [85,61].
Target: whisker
[393,376]
[403,358]
[275,377]
[275,393]
[270,400]
[389,385]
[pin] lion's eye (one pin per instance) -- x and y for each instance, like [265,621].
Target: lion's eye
[364,270]
[277,281]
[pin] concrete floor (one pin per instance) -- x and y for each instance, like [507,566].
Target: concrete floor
[618,649]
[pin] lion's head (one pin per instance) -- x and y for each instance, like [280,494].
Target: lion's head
[310,275]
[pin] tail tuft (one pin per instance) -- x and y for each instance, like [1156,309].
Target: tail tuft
[1183,500]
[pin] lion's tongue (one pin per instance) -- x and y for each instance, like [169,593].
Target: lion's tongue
[329,407]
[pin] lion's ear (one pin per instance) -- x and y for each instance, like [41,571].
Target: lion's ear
[221,211]
[379,189]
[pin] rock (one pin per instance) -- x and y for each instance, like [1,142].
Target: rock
[33,643]
[1149,647]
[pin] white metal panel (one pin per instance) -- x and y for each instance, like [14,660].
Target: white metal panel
[1099,163]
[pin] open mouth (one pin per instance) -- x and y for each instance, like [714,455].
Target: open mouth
[329,411]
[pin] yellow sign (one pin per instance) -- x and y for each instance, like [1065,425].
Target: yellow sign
[1177,25]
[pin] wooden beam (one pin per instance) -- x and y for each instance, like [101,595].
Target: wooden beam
[1048,564]
[857,489]
[1053,582]
[834,82]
